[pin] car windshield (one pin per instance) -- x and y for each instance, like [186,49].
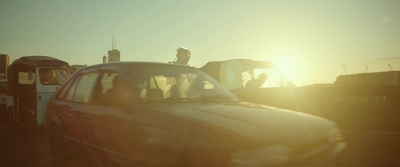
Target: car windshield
[178,83]
[53,76]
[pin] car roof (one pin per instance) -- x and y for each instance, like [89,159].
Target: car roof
[39,61]
[244,62]
[127,63]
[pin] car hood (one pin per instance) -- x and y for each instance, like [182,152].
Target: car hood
[246,122]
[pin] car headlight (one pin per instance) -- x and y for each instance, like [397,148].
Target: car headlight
[265,156]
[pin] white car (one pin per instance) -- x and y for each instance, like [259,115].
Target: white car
[153,114]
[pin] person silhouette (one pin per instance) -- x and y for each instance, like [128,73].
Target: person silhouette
[49,77]
[182,56]
[256,83]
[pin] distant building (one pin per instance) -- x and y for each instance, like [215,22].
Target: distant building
[4,63]
[387,78]
[104,59]
[113,55]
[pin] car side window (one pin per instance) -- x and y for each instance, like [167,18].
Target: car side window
[107,82]
[64,90]
[71,90]
[109,89]
[84,88]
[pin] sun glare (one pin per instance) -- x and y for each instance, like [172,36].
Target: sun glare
[286,64]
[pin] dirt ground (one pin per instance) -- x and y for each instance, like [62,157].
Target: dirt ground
[21,147]
[28,148]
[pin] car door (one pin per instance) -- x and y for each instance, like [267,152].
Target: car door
[61,108]
[117,130]
[156,136]
[80,104]
[108,115]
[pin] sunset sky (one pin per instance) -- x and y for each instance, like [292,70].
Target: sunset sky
[310,40]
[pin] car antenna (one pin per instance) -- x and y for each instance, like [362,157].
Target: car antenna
[391,69]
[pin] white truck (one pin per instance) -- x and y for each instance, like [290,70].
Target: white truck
[31,81]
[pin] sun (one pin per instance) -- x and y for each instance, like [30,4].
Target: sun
[286,68]
[286,65]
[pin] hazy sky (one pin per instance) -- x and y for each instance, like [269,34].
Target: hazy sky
[314,38]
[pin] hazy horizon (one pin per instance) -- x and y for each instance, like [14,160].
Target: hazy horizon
[311,39]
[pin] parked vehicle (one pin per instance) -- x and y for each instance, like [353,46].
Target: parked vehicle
[153,114]
[261,82]
[3,95]
[32,80]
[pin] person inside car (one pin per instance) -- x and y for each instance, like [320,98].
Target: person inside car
[116,86]
[49,77]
